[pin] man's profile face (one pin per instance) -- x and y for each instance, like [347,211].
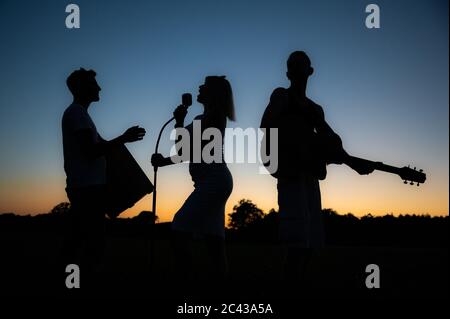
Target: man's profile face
[92,89]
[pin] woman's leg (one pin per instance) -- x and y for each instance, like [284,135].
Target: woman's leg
[215,246]
[181,257]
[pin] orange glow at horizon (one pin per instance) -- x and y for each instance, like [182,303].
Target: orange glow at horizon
[343,190]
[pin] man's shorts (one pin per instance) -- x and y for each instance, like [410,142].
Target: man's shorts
[300,212]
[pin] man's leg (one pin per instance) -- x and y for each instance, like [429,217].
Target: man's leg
[71,248]
[94,240]
[94,235]
[296,263]
[294,228]
[85,243]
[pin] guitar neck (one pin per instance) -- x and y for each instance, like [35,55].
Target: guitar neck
[378,165]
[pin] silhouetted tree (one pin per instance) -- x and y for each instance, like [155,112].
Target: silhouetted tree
[61,209]
[272,213]
[244,214]
[329,212]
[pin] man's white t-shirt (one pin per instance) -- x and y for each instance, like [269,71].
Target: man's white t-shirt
[81,171]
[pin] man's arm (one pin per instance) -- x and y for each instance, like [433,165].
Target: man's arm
[335,150]
[272,112]
[321,125]
[271,119]
[87,141]
[340,154]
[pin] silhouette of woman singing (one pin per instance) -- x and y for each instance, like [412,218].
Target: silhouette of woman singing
[203,213]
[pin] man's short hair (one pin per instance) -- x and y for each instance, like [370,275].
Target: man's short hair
[298,60]
[78,78]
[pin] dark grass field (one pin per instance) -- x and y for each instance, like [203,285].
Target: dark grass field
[28,268]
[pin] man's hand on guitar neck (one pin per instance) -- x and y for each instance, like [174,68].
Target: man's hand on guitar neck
[363,167]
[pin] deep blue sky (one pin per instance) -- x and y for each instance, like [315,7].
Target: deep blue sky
[384,91]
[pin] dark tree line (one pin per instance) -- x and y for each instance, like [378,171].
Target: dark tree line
[247,222]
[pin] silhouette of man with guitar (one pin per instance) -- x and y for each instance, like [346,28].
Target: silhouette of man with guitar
[306,144]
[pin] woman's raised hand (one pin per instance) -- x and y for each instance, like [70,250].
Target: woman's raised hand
[179,114]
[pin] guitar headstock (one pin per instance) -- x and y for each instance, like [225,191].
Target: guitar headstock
[412,175]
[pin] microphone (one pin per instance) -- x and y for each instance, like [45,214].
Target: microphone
[186,100]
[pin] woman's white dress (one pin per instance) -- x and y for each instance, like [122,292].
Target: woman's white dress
[203,212]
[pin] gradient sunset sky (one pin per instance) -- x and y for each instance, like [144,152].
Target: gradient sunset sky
[384,91]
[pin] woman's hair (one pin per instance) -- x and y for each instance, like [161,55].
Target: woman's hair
[222,96]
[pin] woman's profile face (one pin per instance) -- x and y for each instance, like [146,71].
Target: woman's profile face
[203,94]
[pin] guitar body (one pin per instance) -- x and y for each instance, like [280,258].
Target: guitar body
[327,149]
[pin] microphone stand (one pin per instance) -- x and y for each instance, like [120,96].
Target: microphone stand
[155,168]
[186,102]
[155,178]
